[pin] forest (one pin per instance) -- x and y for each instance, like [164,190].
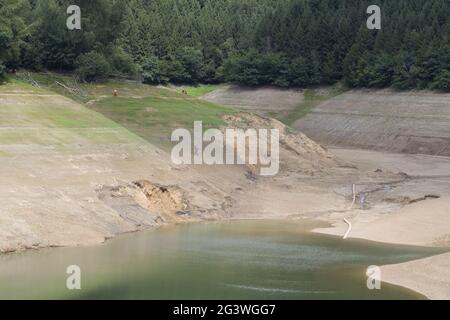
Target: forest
[286,43]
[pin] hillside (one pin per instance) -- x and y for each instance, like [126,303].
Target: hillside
[72,176]
[54,154]
[405,122]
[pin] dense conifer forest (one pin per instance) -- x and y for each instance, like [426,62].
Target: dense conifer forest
[254,42]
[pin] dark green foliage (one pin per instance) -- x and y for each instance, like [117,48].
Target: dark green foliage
[186,66]
[152,71]
[2,72]
[254,42]
[12,32]
[255,68]
[53,46]
[92,66]
[121,62]
[442,81]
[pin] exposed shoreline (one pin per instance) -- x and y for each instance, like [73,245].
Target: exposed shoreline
[423,223]
[429,276]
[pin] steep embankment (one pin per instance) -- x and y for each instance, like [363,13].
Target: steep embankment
[67,175]
[304,165]
[72,176]
[54,153]
[406,122]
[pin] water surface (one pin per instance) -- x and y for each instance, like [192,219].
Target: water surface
[218,260]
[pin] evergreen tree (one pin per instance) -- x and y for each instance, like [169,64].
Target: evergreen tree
[12,32]
[254,42]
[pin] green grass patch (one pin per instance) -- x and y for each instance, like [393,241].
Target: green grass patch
[47,79]
[45,136]
[29,118]
[200,90]
[61,117]
[85,92]
[312,98]
[17,86]
[140,110]
[154,118]
[127,89]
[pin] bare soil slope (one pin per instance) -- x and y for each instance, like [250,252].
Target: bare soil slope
[406,122]
[71,176]
[260,100]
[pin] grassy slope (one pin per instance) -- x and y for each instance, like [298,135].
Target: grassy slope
[155,117]
[148,111]
[36,116]
[154,112]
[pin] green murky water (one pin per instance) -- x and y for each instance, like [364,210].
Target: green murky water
[224,260]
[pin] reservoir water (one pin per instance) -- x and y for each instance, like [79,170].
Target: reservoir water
[214,260]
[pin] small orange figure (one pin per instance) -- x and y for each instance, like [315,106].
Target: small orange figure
[115,93]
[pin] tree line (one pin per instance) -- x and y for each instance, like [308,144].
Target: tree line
[253,42]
